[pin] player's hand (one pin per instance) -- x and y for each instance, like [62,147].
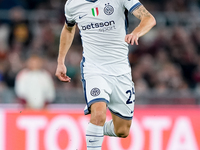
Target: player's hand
[61,73]
[132,38]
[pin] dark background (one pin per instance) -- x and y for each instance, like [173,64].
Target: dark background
[165,65]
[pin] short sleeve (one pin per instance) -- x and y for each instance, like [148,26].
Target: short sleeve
[69,18]
[131,5]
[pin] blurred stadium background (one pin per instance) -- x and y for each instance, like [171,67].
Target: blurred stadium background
[165,69]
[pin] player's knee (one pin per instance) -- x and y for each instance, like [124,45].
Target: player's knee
[122,132]
[98,118]
[98,113]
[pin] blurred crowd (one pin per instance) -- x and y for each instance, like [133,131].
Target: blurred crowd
[167,58]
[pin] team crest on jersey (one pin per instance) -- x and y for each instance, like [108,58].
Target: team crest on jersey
[95,92]
[95,11]
[108,10]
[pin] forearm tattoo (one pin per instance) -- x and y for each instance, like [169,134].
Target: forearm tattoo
[141,12]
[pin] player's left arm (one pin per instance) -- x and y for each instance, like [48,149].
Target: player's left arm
[147,21]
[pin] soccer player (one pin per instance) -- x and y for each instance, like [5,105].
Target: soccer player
[106,73]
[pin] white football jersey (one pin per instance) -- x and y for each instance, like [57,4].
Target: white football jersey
[102,25]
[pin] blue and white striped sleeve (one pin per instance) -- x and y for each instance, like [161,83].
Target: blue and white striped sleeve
[131,5]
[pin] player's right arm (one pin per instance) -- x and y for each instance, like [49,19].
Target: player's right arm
[66,38]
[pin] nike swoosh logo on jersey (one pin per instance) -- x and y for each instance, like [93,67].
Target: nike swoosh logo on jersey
[80,17]
[93,141]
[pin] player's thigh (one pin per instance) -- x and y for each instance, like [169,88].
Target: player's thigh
[123,98]
[122,126]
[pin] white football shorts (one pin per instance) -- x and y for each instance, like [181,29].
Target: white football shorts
[116,91]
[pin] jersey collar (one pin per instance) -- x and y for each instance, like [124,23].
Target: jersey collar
[93,1]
